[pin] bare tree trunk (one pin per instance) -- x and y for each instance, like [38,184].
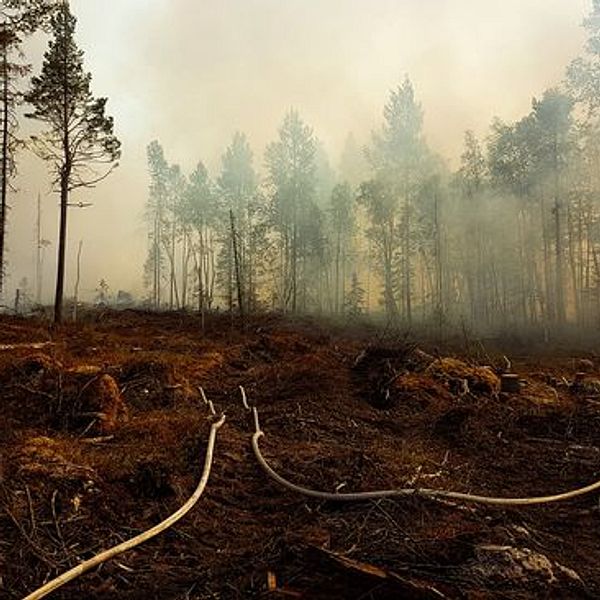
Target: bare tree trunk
[174,289]
[343,282]
[62,246]
[294,268]
[210,271]
[559,282]
[238,275]
[407,261]
[597,269]
[38,253]
[76,291]
[172,264]
[154,265]
[391,308]
[573,264]
[184,269]
[560,292]
[580,261]
[198,265]
[588,271]
[5,150]
[230,275]
[550,313]
[250,275]
[439,287]
[368,276]
[337,272]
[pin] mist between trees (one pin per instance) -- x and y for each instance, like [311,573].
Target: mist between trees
[509,240]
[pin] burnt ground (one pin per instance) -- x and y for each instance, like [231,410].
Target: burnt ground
[103,433]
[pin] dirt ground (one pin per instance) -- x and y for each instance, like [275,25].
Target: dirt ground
[103,433]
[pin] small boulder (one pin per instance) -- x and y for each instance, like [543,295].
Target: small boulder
[521,567]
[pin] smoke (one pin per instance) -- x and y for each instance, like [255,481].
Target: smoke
[191,73]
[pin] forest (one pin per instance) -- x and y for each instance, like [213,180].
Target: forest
[509,240]
[367,374]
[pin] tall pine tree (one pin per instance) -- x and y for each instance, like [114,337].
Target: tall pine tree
[291,171]
[399,157]
[78,141]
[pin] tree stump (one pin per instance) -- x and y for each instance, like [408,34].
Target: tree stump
[510,383]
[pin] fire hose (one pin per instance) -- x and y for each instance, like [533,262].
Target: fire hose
[434,494]
[144,536]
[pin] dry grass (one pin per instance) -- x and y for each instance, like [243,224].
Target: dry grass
[103,434]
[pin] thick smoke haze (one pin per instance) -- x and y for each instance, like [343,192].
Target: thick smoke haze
[191,73]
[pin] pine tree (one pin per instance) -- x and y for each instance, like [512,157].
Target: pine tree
[155,216]
[355,300]
[553,118]
[583,74]
[291,168]
[399,157]
[475,264]
[78,136]
[381,211]
[341,212]
[19,18]
[237,190]
[9,41]
[201,217]
[472,165]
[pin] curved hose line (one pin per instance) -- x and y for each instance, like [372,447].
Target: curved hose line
[244,398]
[422,492]
[142,537]
[208,402]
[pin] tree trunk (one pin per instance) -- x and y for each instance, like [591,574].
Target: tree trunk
[157,261]
[549,296]
[559,293]
[5,149]
[238,275]
[184,269]
[337,271]
[62,247]
[38,253]
[172,263]
[439,281]
[573,264]
[294,268]
[407,261]
[77,279]
[391,308]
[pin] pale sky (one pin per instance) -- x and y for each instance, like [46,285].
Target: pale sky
[191,72]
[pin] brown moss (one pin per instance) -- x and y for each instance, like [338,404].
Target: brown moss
[50,458]
[452,370]
[103,398]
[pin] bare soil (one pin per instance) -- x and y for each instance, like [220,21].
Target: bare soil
[103,433]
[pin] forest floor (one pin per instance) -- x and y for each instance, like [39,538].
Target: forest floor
[103,433]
